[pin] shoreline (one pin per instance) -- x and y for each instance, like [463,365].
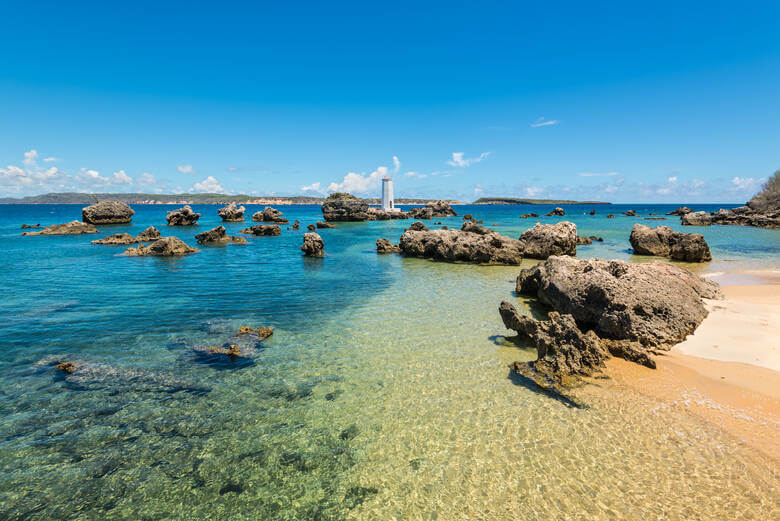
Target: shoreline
[726,374]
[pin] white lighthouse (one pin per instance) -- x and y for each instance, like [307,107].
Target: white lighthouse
[388,204]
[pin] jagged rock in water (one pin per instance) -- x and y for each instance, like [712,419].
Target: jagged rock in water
[655,218]
[107,212]
[630,213]
[232,213]
[592,212]
[164,247]
[610,216]
[296,225]
[680,211]
[527,215]
[218,236]
[385,246]
[696,219]
[379,214]
[473,243]
[117,238]
[468,217]
[71,228]
[261,333]
[149,234]
[544,240]
[583,241]
[431,210]
[418,226]
[665,242]
[344,207]
[321,224]
[89,375]
[263,229]
[184,216]
[30,226]
[745,216]
[311,227]
[594,238]
[313,245]
[655,304]
[555,211]
[269,215]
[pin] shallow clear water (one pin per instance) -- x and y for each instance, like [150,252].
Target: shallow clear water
[384,392]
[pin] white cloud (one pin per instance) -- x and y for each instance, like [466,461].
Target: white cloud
[597,174]
[30,156]
[663,191]
[460,161]
[186,169]
[533,191]
[121,178]
[478,190]
[418,175]
[146,179]
[50,159]
[208,185]
[359,183]
[541,122]
[747,183]
[396,164]
[673,179]
[697,183]
[314,187]
[611,189]
[90,177]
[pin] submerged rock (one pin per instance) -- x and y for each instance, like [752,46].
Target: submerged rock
[30,226]
[473,243]
[655,218]
[592,212]
[527,215]
[232,213]
[164,247]
[655,304]
[149,234]
[385,246]
[107,212]
[311,227]
[313,246]
[321,224]
[555,211]
[630,213]
[696,219]
[680,211]
[263,229]
[269,215]
[610,216]
[218,236]
[71,228]
[432,209]
[583,241]
[665,242]
[261,333]
[344,207]
[544,240]
[184,216]
[296,225]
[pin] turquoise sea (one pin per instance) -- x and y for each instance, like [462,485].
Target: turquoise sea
[384,392]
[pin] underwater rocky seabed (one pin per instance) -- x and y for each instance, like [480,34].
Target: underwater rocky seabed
[383,393]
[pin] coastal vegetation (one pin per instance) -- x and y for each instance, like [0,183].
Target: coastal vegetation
[517,200]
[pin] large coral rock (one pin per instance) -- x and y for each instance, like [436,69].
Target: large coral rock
[385,246]
[431,210]
[665,242]
[555,211]
[107,212]
[263,229]
[696,219]
[218,236]
[313,246]
[184,216]
[680,211]
[655,304]
[544,240]
[344,207]
[269,215]
[71,228]
[472,243]
[165,247]
[232,213]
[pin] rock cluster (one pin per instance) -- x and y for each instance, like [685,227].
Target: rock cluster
[630,213]
[555,211]
[527,215]
[378,214]
[232,213]
[263,229]
[746,216]
[341,206]
[313,245]
[165,247]
[71,228]
[218,236]
[269,215]
[680,211]
[107,212]
[244,346]
[431,210]
[30,226]
[321,225]
[544,240]
[149,234]
[696,219]
[184,216]
[296,225]
[472,243]
[601,307]
[385,246]
[665,242]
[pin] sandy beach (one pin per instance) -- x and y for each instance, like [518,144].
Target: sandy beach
[727,372]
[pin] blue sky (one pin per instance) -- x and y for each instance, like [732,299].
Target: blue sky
[663,101]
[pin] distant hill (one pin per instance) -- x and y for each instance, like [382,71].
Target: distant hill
[85,198]
[515,200]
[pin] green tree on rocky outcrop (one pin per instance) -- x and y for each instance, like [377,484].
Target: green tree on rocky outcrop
[768,199]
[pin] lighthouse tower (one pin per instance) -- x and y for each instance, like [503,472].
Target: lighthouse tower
[388,204]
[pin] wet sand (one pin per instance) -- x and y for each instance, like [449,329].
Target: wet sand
[726,373]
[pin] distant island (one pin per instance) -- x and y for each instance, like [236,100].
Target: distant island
[137,198]
[515,200]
